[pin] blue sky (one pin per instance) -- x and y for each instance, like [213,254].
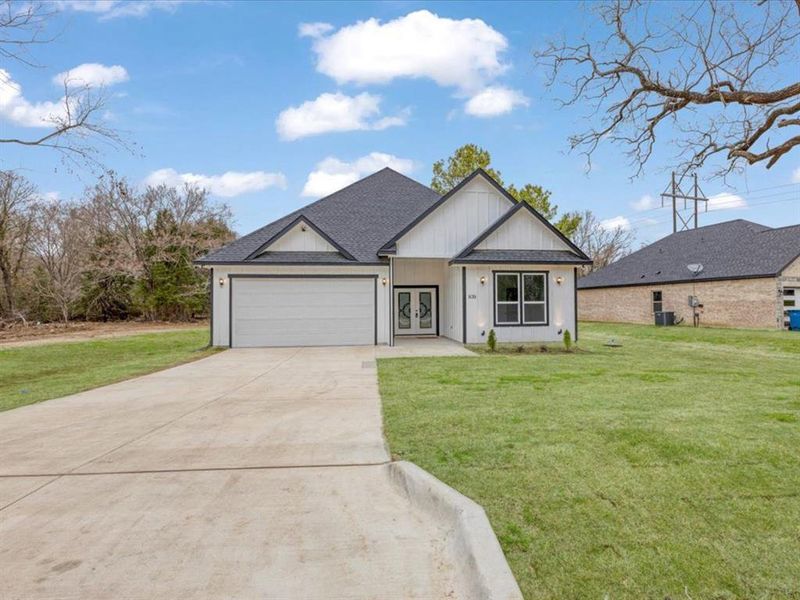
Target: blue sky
[269,113]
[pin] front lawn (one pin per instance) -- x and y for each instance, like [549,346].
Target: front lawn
[665,468]
[35,373]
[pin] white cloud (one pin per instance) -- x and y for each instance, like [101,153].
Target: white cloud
[495,100]
[314,30]
[17,109]
[335,112]
[227,185]
[796,175]
[113,9]
[92,75]
[333,174]
[461,53]
[50,197]
[646,202]
[619,222]
[724,201]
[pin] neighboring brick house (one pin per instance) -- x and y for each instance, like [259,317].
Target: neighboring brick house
[750,277]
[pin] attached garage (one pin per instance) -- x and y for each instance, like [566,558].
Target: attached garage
[303,310]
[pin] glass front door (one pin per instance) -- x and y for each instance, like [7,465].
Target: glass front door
[414,311]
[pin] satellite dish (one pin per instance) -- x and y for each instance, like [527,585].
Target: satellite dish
[695,268]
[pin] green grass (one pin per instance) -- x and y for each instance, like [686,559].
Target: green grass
[35,373]
[666,468]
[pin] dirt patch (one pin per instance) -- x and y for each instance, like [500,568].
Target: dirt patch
[18,334]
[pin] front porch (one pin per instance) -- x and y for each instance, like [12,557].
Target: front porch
[409,347]
[424,291]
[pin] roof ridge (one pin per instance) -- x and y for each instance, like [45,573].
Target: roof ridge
[779,228]
[403,175]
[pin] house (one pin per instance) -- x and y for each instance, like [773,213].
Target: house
[387,257]
[737,273]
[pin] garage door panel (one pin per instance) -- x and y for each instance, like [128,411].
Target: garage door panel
[303,312]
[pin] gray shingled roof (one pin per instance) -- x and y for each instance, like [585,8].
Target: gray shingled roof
[299,258]
[732,250]
[360,218]
[544,257]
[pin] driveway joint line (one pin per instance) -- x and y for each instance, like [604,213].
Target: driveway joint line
[200,470]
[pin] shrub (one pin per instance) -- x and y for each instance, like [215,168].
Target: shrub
[567,340]
[491,341]
[520,349]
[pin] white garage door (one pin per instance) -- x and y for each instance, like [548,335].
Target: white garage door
[293,311]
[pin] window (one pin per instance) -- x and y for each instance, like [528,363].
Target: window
[520,298]
[506,287]
[534,310]
[658,304]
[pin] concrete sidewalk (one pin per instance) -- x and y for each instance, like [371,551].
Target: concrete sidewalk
[251,473]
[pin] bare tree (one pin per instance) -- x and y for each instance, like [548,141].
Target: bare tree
[708,68]
[18,199]
[76,127]
[59,245]
[601,244]
[155,235]
[22,26]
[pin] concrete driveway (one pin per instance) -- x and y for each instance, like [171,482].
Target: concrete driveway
[249,474]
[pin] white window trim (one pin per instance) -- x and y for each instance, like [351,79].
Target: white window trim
[525,302]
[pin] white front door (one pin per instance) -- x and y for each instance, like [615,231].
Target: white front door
[415,311]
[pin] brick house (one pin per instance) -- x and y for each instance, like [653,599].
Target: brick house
[750,277]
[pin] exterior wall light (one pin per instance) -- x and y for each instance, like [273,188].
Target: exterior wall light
[483,280]
[221,281]
[384,281]
[559,280]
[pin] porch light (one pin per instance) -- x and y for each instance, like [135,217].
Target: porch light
[483,280]
[384,281]
[559,280]
[221,281]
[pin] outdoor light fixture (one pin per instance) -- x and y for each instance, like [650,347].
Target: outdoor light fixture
[483,280]
[221,281]
[384,281]
[559,280]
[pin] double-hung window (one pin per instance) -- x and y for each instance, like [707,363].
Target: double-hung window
[520,298]
[534,298]
[506,289]
[658,304]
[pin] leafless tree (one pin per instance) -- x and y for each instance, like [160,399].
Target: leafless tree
[22,26]
[709,68]
[18,198]
[601,244]
[59,245]
[76,128]
[131,217]
[142,231]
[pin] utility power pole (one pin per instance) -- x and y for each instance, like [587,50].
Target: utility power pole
[675,193]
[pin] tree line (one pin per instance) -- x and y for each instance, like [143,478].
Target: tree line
[115,253]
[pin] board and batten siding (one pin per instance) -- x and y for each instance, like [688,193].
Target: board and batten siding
[455,223]
[452,312]
[480,305]
[220,333]
[523,231]
[297,240]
